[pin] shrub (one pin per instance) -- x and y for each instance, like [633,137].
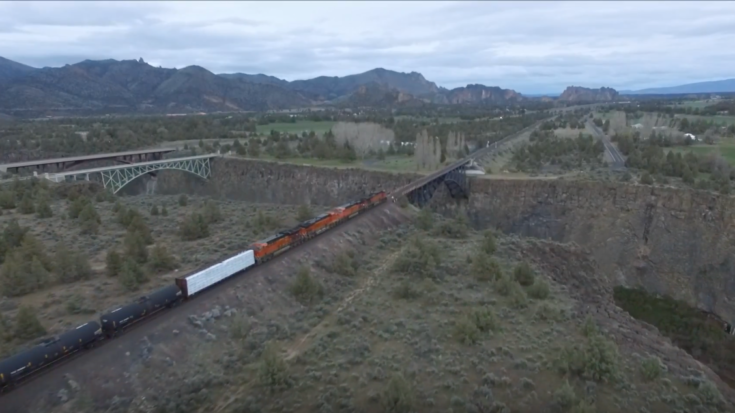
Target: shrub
[211,212]
[27,325]
[154,210]
[344,265]
[183,200]
[646,179]
[164,211]
[488,243]
[397,396]
[90,220]
[7,200]
[504,285]
[456,228]
[71,266]
[113,262]
[406,290]
[709,394]
[539,290]
[161,259]
[601,359]
[518,296]
[305,288]
[194,227]
[137,224]
[132,275]
[43,208]
[466,332]
[420,258]
[485,319]
[304,213]
[135,248]
[564,396]
[76,206]
[651,368]
[425,219]
[25,206]
[273,371]
[523,274]
[485,268]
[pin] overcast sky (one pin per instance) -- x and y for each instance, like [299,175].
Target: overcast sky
[532,47]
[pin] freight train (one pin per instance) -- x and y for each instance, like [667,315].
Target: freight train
[18,367]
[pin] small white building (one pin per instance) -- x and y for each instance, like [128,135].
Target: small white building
[691,137]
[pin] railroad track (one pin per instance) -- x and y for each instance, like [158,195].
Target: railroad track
[57,364]
[164,310]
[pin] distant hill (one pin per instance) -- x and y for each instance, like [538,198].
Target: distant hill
[375,94]
[134,86]
[578,94]
[481,94]
[716,86]
[329,88]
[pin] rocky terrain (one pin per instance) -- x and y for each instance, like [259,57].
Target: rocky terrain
[668,241]
[396,328]
[578,94]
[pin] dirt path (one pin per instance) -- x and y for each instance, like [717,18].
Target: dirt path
[302,342]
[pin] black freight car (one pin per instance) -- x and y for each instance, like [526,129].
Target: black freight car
[119,318]
[122,317]
[165,297]
[21,365]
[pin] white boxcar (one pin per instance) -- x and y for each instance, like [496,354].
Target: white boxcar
[194,283]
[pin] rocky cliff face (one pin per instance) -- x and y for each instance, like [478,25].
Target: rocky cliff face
[673,242]
[481,94]
[261,181]
[582,94]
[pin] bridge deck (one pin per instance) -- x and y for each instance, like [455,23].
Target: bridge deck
[4,167]
[133,165]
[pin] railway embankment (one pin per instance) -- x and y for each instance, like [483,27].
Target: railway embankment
[668,241]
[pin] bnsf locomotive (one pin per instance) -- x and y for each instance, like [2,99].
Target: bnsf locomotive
[21,365]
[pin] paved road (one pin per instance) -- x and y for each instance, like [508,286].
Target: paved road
[618,161]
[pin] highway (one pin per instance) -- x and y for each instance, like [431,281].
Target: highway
[618,161]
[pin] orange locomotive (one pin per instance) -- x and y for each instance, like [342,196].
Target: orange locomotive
[272,246]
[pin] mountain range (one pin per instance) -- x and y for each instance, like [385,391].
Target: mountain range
[717,86]
[134,86]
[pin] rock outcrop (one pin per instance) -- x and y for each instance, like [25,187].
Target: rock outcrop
[668,241]
[578,94]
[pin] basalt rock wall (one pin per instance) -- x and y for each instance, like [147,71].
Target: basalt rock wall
[675,242]
[272,182]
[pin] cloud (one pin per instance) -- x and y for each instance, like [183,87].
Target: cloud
[527,46]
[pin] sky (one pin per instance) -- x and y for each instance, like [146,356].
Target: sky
[531,47]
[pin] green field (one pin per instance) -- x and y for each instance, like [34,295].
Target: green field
[427,119]
[724,148]
[694,104]
[724,120]
[391,163]
[297,127]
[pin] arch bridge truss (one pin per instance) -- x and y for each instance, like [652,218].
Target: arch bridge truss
[455,180]
[114,178]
